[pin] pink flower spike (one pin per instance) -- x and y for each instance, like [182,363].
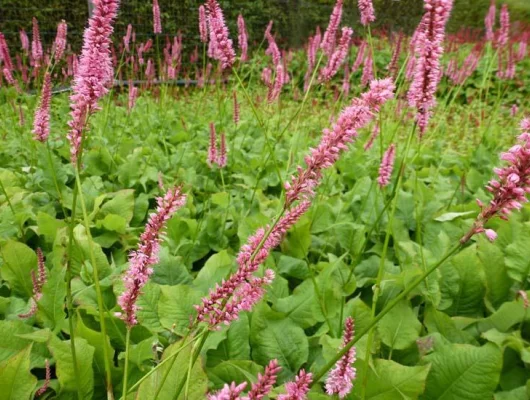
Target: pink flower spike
[221,159]
[265,382]
[298,389]
[127,37]
[222,49]
[60,40]
[36,44]
[276,88]
[338,56]
[157,23]
[236,109]
[228,392]
[24,40]
[328,42]
[371,139]
[504,31]
[203,25]
[47,380]
[41,124]
[340,379]
[387,166]
[242,38]
[4,54]
[142,260]
[489,21]
[366,8]
[212,148]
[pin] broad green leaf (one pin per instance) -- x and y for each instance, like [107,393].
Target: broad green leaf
[388,380]
[400,328]
[65,366]
[302,306]
[298,240]
[12,341]
[293,267]
[505,317]
[16,380]
[463,372]
[52,303]
[236,346]
[148,307]
[49,226]
[234,371]
[453,215]
[272,335]
[122,204]
[178,371]
[170,270]
[518,255]
[18,262]
[516,394]
[438,321]
[83,247]
[217,268]
[175,307]
[498,283]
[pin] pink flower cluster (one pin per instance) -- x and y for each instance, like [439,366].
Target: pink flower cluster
[157,23]
[328,42]
[430,36]
[214,156]
[242,37]
[511,187]
[94,72]
[366,8]
[36,44]
[236,115]
[392,66]
[265,382]
[489,21]
[340,379]
[298,389]
[334,141]
[387,166]
[220,42]
[338,56]
[59,45]
[41,124]
[142,260]
[459,76]
[504,31]
[38,279]
[203,24]
[229,392]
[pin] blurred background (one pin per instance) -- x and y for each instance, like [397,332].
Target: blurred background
[294,20]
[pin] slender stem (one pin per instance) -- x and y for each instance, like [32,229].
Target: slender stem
[126,368]
[97,286]
[385,311]
[194,357]
[54,175]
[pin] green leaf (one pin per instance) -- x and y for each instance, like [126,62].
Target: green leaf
[518,255]
[388,380]
[236,346]
[400,328]
[217,268]
[298,240]
[463,372]
[114,223]
[302,306]
[18,262]
[49,226]
[273,335]
[65,366]
[438,321]
[234,371]
[293,267]
[498,283]
[52,303]
[178,371]
[175,307]
[516,394]
[12,341]
[122,204]
[16,380]
[453,215]
[170,270]
[222,199]
[148,307]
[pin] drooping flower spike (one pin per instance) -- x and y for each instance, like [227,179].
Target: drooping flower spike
[338,56]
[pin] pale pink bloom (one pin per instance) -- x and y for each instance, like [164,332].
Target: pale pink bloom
[393,65]
[212,147]
[157,23]
[47,380]
[375,133]
[265,382]
[338,56]
[490,234]
[273,49]
[221,158]
[4,53]
[514,110]
[236,109]
[429,40]
[133,95]
[489,21]
[266,76]
[41,123]
[36,44]
[38,279]
[387,166]
[276,88]
[10,79]
[222,49]
[60,40]
[24,40]
[330,36]
[127,37]
[360,57]
[368,70]
[523,49]
[94,73]
[346,81]
[142,260]
[203,25]
[242,38]
[340,379]
[268,30]
[298,389]
[511,187]
[228,392]
[366,8]
[470,65]
[504,31]
[361,111]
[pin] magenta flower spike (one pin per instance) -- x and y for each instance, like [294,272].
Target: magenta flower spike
[392,66]
[338,56]
[236,109]
[212,147]
[60,40]
[242,37]
[228,392]
[360,57]
[429,39]
[276,88]
[272,49]
[142,260]
[341,377]
[366,8]
[203,25]
[222,158]
[368,70]
[94,72]
[509,189]
[265,382]
[346,81]
[4,54]
[133,95]
[222,48]
[47,380]
[38,279]
[489,21]
[157,22]
[127,38]
[504,30]
[36,44]
[375,133]
[387,166]
[24,40]
[361,111]
[298,389]
[330,36]
[41,124]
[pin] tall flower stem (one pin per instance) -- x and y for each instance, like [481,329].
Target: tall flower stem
[97,286]
[126,367]
[318,375]
[54,176]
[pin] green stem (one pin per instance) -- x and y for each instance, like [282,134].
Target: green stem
[194,357]
[126,368]
[54,175]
